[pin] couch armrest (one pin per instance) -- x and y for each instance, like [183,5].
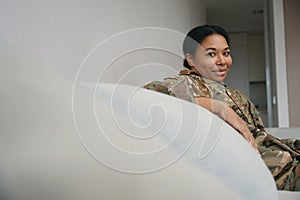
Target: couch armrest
[284,132]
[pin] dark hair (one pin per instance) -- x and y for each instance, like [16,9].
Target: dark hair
[195,37]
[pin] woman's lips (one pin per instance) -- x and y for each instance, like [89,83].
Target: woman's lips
[220,72]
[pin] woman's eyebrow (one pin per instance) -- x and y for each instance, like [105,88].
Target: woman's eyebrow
[210,48]
[214,49]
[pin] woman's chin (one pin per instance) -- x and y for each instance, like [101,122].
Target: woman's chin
[218,78]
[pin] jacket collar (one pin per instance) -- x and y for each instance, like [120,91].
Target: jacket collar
[194,72]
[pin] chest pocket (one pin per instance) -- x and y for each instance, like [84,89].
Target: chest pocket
[241,106]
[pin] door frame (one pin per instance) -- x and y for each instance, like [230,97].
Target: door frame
[276,72]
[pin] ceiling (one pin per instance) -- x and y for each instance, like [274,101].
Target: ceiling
[236,15]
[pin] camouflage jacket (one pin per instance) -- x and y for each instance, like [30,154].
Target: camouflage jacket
[189,85]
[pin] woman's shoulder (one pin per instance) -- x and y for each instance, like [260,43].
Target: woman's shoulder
[164,85]
[188,81]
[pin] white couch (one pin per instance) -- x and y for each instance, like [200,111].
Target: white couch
[197,136]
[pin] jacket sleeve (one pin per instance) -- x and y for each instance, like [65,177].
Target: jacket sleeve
[181,87]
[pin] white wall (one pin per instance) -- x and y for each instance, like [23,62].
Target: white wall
[292,10]
[61,33]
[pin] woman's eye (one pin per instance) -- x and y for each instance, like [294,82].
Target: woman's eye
[211,54]
[226,53]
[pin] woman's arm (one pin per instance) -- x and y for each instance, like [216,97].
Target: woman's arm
[227,114]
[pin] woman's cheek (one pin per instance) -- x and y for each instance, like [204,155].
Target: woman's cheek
[229,61]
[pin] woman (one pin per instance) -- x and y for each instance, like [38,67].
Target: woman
[208,60]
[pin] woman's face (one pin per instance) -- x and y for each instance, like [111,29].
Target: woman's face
[212,58]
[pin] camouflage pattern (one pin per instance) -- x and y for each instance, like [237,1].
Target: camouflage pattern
[281,156]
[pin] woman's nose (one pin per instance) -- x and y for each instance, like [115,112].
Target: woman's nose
[221,60]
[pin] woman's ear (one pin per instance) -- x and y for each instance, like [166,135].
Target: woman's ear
[189,58]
